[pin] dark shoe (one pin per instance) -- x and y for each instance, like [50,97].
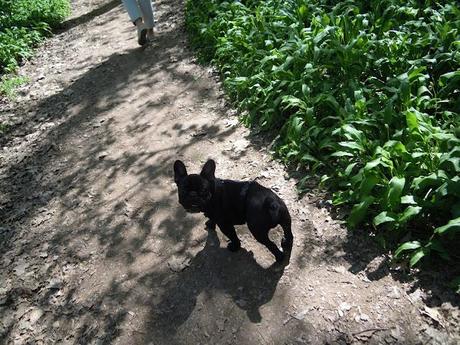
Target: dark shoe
[141,34]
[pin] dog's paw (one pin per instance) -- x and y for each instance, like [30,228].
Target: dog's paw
[278,267]
[286,245]
[284,257]
[233,246]
[210,225]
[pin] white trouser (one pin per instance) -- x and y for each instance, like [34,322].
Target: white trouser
[140,9]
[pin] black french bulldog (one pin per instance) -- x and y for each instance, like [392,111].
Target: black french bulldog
[228,203]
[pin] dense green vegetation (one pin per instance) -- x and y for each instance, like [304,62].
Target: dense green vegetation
[366,92]
[23,24]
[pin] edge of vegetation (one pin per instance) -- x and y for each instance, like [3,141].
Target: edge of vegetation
[365,92]
[23,25]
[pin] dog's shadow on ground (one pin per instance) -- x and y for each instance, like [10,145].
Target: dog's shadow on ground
[214,270]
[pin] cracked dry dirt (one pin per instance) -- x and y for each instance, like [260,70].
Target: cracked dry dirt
[96,250]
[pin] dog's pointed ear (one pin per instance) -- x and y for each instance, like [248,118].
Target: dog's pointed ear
[209,168]
[179,171]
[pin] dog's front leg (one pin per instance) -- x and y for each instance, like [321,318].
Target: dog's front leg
[229,231]
[210,224]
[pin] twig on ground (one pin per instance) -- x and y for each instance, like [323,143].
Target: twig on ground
[370,330]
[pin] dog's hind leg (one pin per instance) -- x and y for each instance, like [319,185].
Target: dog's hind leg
[288,239]
[279,214]
[261,235]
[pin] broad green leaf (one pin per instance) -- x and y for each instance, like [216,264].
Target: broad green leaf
[342,154]
[372,164]
[324,178]
[318,38]
[359,211]
[349,168]
[395,188]
[404,91]
[382,217]
[420,253]
[423,90]
[329,101]
[432,180]
[444,136]
[416,72]
[449,188]
[351,145]
[408,199]
[238,80]
[340,198]
[412,122]
[303,10]
[308,158]
[291,101]
[455,152]
[452,226]
[451,164]
[445,78]
[395,146]
[305,90]
[367,184]
[407,246]
[352,133]
[409,213]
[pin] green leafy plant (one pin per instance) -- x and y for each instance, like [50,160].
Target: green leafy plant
[8,85]
[23,25]
[366,92]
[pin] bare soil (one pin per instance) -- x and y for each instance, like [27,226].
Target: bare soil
[95,248]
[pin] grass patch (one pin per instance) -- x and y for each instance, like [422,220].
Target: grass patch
[8,85]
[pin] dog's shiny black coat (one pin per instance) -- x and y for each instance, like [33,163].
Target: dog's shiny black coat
[227,203]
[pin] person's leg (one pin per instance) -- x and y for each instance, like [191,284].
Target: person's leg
[147,15]
[133,10]
[135,14]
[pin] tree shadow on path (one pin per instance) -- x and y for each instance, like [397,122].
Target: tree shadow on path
[87,17]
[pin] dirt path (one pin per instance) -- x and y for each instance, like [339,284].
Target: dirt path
[96,250]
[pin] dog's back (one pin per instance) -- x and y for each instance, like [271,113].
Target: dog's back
[264,207]
[241,202]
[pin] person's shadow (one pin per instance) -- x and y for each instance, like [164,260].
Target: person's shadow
[238,275]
